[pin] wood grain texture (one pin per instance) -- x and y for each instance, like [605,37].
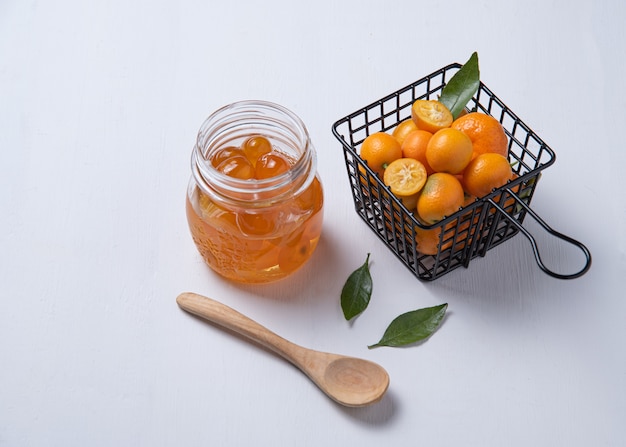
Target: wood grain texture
[349,381]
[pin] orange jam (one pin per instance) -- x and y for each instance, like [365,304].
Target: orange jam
[255,202]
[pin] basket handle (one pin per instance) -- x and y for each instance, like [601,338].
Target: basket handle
[551,231]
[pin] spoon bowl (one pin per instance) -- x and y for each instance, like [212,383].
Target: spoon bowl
[349,381]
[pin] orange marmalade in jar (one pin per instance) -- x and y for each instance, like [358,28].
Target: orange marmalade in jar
[254,201]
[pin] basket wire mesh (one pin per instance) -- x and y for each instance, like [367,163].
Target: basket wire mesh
[476,228]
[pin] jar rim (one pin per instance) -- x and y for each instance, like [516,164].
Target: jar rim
[262,112]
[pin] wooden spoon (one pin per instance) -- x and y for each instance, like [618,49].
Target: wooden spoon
[347,380]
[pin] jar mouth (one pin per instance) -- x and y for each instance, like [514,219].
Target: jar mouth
[230,126]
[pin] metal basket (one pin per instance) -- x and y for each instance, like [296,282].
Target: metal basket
[478,226]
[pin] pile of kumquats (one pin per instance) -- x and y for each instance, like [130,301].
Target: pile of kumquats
[436,164]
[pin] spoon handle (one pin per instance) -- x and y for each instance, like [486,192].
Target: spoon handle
[229,318]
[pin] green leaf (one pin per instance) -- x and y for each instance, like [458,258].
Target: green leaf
[461,87]
[356,293]
[412,326]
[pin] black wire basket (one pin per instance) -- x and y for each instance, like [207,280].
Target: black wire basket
[477,227]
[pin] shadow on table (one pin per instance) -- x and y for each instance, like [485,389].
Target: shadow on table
[507,282]
[378,414]
[315,281]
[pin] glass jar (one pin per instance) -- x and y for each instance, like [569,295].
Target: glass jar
[254,230]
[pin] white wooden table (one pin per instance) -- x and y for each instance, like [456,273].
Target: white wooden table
[100,103]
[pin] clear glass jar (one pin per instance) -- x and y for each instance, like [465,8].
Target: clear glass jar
[255,230]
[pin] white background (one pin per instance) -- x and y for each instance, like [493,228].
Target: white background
[100,103]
